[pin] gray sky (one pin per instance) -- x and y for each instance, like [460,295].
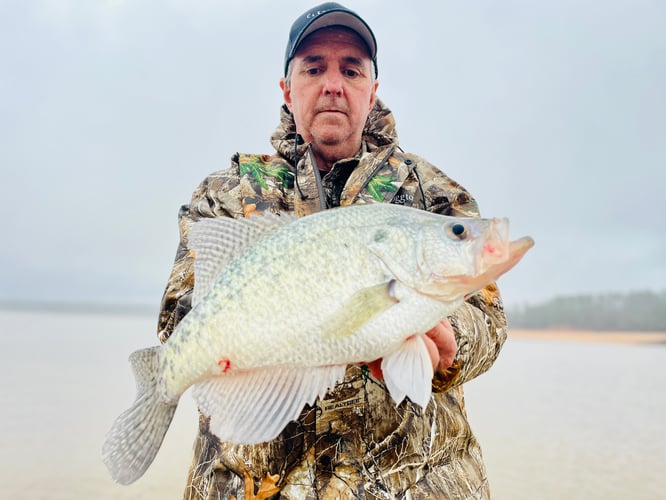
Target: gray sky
[111,112]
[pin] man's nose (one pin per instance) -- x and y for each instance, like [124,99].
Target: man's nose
[333,83]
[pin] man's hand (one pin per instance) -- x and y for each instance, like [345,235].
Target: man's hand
[441,344]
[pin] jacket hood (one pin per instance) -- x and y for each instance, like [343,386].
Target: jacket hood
[379,130]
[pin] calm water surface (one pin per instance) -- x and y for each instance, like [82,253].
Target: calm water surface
[564,420]
[556,420]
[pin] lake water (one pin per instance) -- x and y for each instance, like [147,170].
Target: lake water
[556,420]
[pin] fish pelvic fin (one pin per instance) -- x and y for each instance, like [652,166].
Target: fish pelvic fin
[408,372]
[137,434]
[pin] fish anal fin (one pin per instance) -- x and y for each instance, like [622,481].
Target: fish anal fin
[254,406]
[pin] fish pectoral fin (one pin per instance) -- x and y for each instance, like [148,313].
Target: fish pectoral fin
[408,372]
[254,406]
[361,307]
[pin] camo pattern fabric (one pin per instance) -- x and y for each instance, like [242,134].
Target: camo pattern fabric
[355,443]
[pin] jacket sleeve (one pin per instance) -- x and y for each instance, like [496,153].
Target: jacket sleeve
[480,323]
[216,196]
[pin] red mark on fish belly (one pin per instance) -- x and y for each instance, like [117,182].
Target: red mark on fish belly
[224,364]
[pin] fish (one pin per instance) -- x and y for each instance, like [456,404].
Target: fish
[281,305]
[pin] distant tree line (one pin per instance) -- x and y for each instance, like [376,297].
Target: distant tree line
[634,311]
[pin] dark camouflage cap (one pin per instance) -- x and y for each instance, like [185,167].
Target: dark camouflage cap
[329,14]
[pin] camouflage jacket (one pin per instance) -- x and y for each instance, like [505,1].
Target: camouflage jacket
[355,443]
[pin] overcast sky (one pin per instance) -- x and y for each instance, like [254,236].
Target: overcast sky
[111,112]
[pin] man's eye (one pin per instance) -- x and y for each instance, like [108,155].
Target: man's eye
[351,73]
[312,71]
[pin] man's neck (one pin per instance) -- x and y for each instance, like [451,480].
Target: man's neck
[325,161]
[324,164]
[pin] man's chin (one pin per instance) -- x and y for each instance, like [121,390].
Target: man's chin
[330,137]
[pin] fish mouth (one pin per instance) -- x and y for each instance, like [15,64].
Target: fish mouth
[496,260]
[495,265]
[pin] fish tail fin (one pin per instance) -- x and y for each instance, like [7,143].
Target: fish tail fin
[137,434]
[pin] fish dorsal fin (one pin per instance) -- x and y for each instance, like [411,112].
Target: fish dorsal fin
[217,241]
[408,372]
[250,407]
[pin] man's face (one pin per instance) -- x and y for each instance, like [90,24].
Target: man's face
[331,91]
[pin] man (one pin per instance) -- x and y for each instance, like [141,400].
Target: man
[335,146]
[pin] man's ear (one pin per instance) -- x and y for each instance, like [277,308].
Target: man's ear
[286,92]
[373,94]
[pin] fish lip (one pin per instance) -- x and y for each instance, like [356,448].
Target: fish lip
[515,252]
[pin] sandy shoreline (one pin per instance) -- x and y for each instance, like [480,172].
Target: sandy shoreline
[590,336]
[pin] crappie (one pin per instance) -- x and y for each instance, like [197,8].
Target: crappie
[281,305]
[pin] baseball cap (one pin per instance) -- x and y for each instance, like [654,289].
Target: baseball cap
[328,14]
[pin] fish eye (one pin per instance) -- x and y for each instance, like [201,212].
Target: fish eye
[458,230]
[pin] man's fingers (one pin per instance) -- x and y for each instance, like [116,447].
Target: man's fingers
[433,350]
[444,339]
